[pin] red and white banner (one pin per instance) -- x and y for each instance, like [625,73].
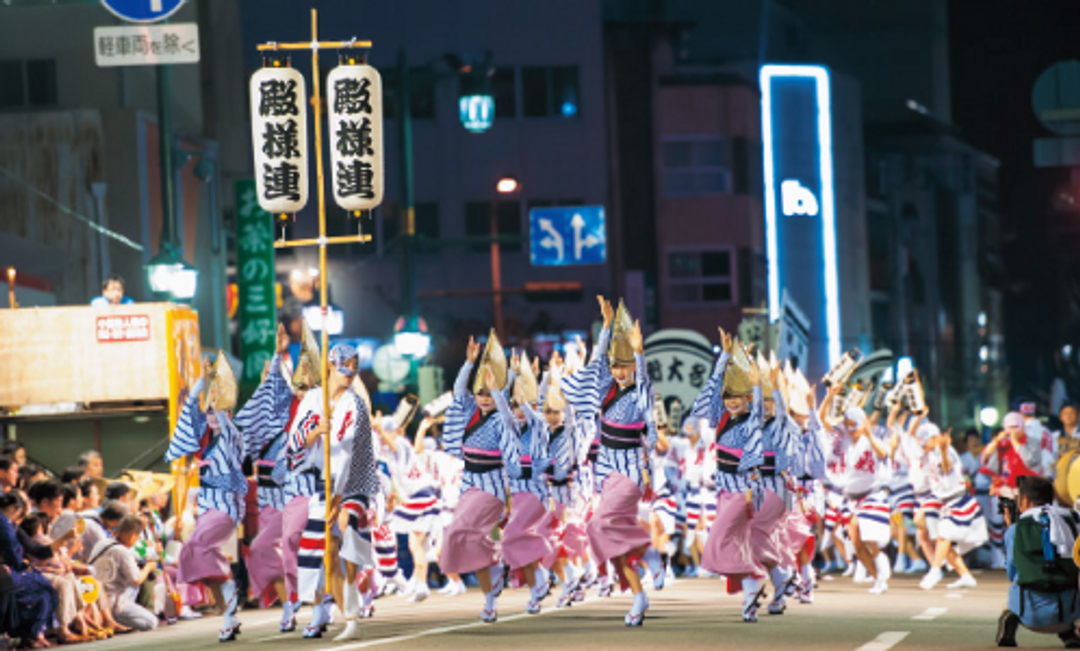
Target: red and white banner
[132,327]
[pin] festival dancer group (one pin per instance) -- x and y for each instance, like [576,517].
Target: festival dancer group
[573,477]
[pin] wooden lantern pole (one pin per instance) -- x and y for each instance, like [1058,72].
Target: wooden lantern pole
[314,45]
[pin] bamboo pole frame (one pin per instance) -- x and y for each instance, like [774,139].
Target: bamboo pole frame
[314,45]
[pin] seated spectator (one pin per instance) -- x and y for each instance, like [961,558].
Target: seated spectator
[115,563]
[120,492]
[15,451]
[90,494]
[93,466]
[35,597]
[112,293]
[1038,561]
[9,474]
[72,475]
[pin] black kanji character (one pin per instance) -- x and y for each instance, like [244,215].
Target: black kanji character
[171,43]
[355,177]
[697,375]
[655,370]
[106,46]
[674,375]
[281,181]
[352,96]
[354,139]
[277,97]
[281,140]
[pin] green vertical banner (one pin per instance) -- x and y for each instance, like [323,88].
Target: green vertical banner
[257,300]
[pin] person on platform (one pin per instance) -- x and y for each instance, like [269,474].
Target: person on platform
[474,432]
[354,483]
[112,293]
[614,389]
[206,432]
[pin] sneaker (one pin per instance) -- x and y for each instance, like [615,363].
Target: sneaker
[918,566]
[932,578]
[351,632]
[965,581]
[1070,639]
[881,586]
[1008,624]
[420,594]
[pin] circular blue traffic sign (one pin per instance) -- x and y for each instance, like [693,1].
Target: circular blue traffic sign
[143,11]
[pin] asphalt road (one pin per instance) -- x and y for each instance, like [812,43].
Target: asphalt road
[691,614]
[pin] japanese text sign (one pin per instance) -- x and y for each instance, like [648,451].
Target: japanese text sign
[354,96]
[279,138]
[255,281]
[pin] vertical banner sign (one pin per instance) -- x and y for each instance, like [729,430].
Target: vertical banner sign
[354,95]
[279,139]
[800,217]
[257,301]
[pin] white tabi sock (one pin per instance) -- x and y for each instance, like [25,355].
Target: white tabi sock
[366,598]
[542,578]
[808,576]
[750,587]
[489,601]
[881,562]
[590,567]
[228,591]
[779,576]
[641,604]
[351,608]
[568,572]
[286,611]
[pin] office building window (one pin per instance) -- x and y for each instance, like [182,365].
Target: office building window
[425,219]
[694,166]
[698,277]
[504,87]
[11,84]
[478,224]
[27,83]
[551,92]
[421,94]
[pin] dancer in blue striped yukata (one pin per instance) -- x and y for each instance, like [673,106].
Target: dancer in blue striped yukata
[731,404]
[526,538]
[615,388]
[208,433]
[809,474]
[475,432]
[262,421]
[354,480]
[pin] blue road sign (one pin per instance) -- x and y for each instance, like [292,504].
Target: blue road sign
[569,235]
[143,11]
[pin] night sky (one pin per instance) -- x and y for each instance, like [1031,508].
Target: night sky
[998,49]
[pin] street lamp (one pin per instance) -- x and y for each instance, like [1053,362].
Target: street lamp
[411,338]
[172,277]
[507,185]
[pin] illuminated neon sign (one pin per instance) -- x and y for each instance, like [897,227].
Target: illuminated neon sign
[800,215]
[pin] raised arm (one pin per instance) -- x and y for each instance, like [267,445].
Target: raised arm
[187,437]
[508,438]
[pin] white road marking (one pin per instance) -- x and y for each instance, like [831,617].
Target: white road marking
[448,629]
[954,595]
[884,642]
[930,613]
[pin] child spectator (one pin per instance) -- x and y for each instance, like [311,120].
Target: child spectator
[118,571]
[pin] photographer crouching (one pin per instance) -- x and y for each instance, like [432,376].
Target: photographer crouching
[1039,544]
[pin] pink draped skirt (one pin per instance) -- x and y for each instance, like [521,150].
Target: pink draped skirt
[527,535]
[201,558]
[765,529]
[797,530]
[727,549]
[293,521]
[467,542]
[265,563]
[615,529]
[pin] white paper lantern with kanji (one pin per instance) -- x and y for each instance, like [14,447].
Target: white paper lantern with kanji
[354,98]
[279,139]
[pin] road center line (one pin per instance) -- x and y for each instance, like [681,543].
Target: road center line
[884,642]
[930,613]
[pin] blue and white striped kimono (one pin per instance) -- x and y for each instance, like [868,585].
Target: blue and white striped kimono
[809,467]
[780,437]
[222,484]
[263,420]
[481,440]
[622,413]
[739,447]
[561,468]
[532,448]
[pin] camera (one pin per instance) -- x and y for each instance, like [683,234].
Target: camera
[1008,508]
